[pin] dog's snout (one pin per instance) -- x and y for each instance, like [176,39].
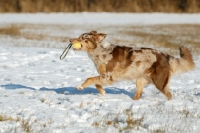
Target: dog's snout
[70,40]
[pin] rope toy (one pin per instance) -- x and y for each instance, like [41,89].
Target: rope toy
[75,46]
[63,55]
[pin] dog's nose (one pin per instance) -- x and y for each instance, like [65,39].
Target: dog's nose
[70,40]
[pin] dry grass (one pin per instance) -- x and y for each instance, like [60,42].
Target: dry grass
[173,120]
[130,123]
[25,124]
[165,37]
[6,118]
[30,32]
[100,5]
[11,30]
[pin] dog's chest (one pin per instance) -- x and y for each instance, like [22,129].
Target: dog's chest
[100,56]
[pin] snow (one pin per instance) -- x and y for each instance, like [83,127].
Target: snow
[101,18]
[37,92]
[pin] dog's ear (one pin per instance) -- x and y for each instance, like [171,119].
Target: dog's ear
[97,37]
[101,37]
[93,32]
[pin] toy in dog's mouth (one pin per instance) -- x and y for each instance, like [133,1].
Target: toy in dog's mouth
[76,46]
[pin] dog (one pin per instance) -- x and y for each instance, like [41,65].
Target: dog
[116,63]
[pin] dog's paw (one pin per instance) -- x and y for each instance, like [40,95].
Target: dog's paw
[79,87]
[103,92]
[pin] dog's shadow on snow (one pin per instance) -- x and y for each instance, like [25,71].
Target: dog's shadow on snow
[88,90]
[15,87]
[70,90]
[198,94]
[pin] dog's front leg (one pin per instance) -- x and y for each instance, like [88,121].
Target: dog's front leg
[97,81]
[90,81]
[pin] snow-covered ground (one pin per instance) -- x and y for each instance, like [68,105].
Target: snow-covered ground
[37,91]
[101,18]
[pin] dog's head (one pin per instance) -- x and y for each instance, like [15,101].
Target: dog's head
[89,41]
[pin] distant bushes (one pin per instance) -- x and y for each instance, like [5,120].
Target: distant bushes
[190,6]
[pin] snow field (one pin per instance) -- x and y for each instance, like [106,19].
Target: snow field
[101,18]
[38,87]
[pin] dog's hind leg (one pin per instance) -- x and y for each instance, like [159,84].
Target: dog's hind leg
[140,83]
[100,89]
[161,81]
[165,91]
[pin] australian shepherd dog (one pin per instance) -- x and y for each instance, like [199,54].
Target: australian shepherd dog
[116,63]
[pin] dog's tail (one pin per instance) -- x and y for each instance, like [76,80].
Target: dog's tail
[183,64]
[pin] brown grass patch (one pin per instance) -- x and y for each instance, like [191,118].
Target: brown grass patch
[24,31]
[130,123]
[12,30]
[166,37]
[25,124]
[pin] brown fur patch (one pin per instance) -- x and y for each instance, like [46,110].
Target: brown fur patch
[138,51]
[137,63]
[129,57]
[101,68]
[185,54]
[91,45]
[133,57]
[146,48]
[120,54]
[116,57]
[160,72]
